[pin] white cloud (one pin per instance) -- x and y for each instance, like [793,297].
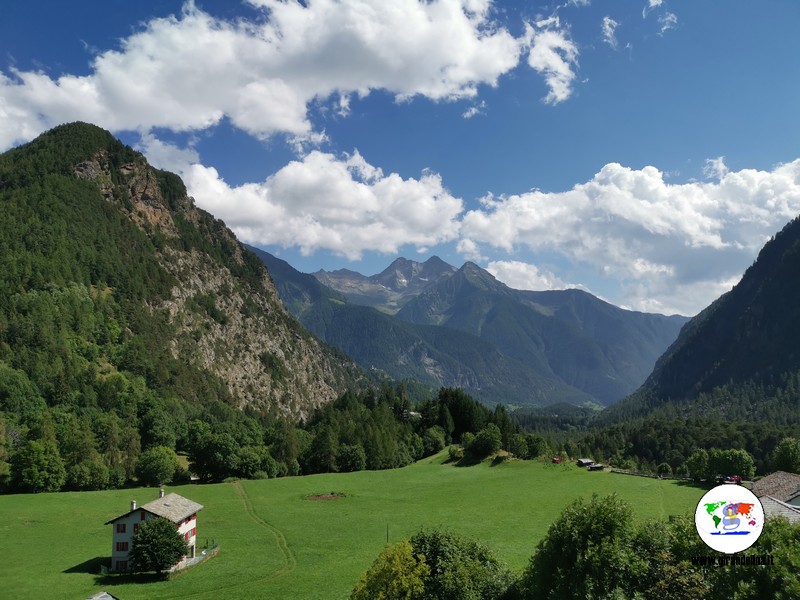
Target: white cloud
[609,28]
[525,276]
[187,72]
[670,248]
[554,55]
[478,109]
[667,21]
[715,168]
[167,156]
[671,245]
[651,4]
[324,202]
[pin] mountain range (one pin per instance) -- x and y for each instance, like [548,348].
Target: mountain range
[109,271]
[448,326]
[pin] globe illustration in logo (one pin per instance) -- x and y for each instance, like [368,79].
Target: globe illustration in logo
[729,518]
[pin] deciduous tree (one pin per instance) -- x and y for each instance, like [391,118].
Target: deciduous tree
[157,465]
[787,455]
[157,546]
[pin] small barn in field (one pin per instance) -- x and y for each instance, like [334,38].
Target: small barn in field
[173,507]
[585,462]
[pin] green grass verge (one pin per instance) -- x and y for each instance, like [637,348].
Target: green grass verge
[277,543]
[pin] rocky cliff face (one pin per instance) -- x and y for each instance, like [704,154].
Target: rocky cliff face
[224,309]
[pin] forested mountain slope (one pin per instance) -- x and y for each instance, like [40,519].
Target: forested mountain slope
[586,343]
[741,354]
[113,281]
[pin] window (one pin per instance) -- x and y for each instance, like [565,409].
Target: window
[122,565]
[122,546]
[135,528]
[142,514]
[186,536]
[120,527]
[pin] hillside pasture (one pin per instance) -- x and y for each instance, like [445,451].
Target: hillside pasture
[307,537]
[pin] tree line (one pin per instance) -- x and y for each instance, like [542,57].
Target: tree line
[130,434]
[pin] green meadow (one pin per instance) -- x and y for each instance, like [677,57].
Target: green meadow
[275,542]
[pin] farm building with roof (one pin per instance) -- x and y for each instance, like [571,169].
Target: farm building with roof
[173,507]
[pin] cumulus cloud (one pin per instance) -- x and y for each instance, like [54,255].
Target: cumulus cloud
[323,202]
[187,72]
[609,28]
[525,276]
[554,55]
[672,247]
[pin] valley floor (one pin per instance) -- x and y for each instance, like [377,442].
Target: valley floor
[276,542]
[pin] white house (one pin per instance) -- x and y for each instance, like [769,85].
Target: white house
[173,507]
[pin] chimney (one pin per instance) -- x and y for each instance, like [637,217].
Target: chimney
[133,504]
[161,493]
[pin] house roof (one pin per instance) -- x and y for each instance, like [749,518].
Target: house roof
[172,506]
[780,485]
[775,508]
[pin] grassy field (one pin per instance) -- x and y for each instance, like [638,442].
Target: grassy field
[277,543]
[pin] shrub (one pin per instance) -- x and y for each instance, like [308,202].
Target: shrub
[460,568]
[396,573]
[488,441]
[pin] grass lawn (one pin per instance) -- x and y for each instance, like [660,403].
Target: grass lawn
[277,543]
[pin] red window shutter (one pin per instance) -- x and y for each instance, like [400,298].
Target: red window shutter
[135,528]
[120,527]
[142,515]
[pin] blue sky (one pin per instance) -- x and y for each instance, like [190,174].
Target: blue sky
[643,150]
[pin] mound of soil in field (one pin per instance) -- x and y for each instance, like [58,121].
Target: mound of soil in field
[324,497]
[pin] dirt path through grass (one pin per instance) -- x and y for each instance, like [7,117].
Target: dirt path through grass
[289,560]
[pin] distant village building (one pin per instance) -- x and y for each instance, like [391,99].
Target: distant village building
[776,508]
[585,462]
[794,499]
[780,485]
[173,507]
[596,466]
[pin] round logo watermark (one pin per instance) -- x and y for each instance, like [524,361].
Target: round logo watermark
[729,518]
